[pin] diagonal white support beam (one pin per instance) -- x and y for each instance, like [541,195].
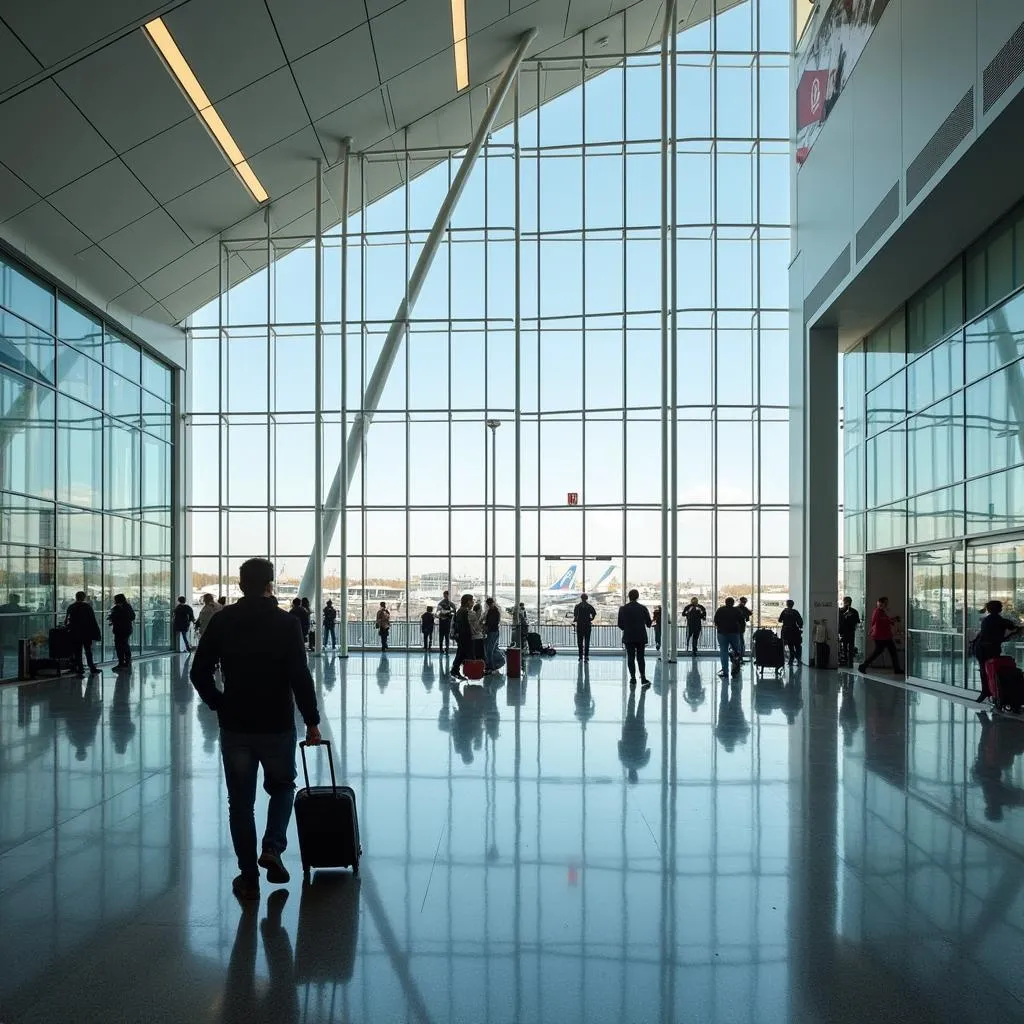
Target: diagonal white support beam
[375,387]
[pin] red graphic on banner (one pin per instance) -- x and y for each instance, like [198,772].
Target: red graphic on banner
[810,98]
[573,498]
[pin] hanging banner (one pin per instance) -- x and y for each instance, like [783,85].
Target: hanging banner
[827,61]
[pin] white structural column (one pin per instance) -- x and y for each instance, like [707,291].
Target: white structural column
[669,611]
[814,533]
[375,386]
[318,409]
[343,207]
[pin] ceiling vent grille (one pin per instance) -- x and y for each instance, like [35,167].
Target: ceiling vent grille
[878,221]
[829,282]
[1004,70]
[939,147]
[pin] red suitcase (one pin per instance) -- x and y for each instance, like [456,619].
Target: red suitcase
[1003,679]
[513,663]
[473,668]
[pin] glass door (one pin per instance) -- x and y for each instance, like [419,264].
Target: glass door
[935,643]
[995,571]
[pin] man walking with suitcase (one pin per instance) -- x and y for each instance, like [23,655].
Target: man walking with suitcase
[262,657]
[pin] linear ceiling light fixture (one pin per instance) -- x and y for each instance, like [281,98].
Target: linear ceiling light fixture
[461,48]
[165,45]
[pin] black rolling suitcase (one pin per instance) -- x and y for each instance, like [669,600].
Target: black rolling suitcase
[325,818]
[769,651]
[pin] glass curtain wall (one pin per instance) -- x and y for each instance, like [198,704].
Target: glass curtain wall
[934,454]
[85,468]
[559,233]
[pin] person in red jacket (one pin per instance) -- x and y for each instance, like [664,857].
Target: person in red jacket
[881,633]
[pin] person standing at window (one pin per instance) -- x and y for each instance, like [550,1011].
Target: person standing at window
[746,615]
[583,616]
[383,624]
[792,626]
[310,624]
[427,627]
[121,617]
[695,613]
[634,621]
[476,621]
[728,623]
[183,619]
[330,617]
[463,634]
[492,626]
[445,612]
[849,620]
[880,632]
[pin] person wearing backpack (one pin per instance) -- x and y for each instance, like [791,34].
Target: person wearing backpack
[992,632]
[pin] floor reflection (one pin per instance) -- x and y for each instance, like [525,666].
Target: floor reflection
[553,848]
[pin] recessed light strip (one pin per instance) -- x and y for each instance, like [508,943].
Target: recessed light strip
[165,45]
[461,48]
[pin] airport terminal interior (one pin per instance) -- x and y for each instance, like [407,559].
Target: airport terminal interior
[546,302]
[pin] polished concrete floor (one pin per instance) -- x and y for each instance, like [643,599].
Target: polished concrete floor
[553,850]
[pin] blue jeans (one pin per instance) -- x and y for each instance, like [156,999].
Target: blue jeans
[329,634]
[491,651]
[725,641]
[243,753]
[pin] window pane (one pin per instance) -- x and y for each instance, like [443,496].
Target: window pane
[79,454]
[28,410]
[25,348]
[26,295]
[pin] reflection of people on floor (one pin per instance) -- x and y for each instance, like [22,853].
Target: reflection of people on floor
[330,674]
[468,721]
[181,687]
[428,673]
[694,694]
[246,998]
[633,750]
[732,727]
[81,711]
[583,699]
[444,716]
[848,717]
[492,716]
[122,728]
[210,726]
[793,694]
[383,673]
[1001,742]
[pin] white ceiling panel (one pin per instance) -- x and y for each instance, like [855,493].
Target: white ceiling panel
[184,270]
[15,195]
[416,92]
[584,13]
[48,228]
[104,200]
[451,125]
[16,63]
[308,24]
[126,92]
[148,244]
[408,34]
[490,49]
[291,205]
[136,300]
[337,73]
[364,121]
[265,112]
[176,160]
[57,29]
[288,163]
[46,141]
[202,211]
[102,272]
[481,13]
[375,7]
[228,43]
[192,296]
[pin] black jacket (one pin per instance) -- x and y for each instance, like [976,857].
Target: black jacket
[583,616]
[262,656]
[121,618]
[729,620]
[183,616]
[694,615]
[492,619]
[303,616]
[330,615]
[849,620]
[81,621]
[633,620]
[463,628]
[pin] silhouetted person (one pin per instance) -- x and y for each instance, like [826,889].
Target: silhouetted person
[122,728]
[301,616]
[445,614]
[849,620]
[633,750]
[583,699]
[729,625]
[330,668]
[993,630]
[583,616]
[310,624]
[463,635]
[222,601]
[881,634]
[444,715]
[383,624]
[330,617]
[745,615]
[383,672]
[468,720]
[207,612]
[476,622]
[849,720]
[694,694]
[427,620]
[792,696]
[493,658]
[695,613]
[1001,742]
[121,617]
[732,727]
[262,663]
[183,617]
[181,688]
[792,627]
[634,620]
[427,674]
[84,631]
[81,711]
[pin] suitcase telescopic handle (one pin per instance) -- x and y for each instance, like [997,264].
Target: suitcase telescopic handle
[330,761]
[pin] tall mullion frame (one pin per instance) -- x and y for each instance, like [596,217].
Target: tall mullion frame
[669,610]
[362,399]
[539,343]
[489,547]
[713,99]
[624,393]
[271,354]
[448,384]
[408,416]
[583,319]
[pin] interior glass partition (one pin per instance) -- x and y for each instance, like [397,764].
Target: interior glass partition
[555,252]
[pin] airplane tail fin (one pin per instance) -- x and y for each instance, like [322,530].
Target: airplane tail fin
[605,579]
[565,583]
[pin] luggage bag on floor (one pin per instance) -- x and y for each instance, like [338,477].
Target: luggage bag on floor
[473,668]
[769,651]
[513,663]
[1005,683]
[326,820]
